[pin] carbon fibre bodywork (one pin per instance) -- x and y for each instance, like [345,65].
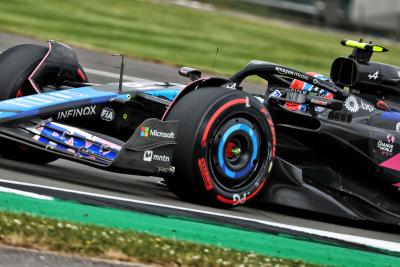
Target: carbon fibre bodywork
[343,161]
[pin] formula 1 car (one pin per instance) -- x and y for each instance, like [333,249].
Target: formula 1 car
[214,145]
[211,141]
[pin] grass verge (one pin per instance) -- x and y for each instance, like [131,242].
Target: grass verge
[95,241]
[156,30]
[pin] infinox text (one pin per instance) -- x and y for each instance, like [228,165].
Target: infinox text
[77,112]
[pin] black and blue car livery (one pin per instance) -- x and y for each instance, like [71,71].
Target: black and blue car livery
[212,141]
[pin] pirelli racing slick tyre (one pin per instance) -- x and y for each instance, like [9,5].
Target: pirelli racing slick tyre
[16,65]
[225,147]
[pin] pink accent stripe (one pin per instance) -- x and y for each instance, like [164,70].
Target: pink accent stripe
[37,68]
[396,185]
[392,163]
[81,75]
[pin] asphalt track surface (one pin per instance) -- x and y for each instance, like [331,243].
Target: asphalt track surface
[20,257]
[101,68]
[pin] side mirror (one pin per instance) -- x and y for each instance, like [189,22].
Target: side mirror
[192,74]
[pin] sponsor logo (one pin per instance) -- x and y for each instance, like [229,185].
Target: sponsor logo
[144,131]
[73,93]
[238,199]
[40,99]
[284,71]
[351,104]
[50,98]
[390,138]
[231,86]
[324,84]
[28,101]
[366,107]
[107,114]
[67,94]
[373,76]
[149,156]
[77,112]
[205,174]
[59,95]
[387,147]
[275,93]
[162,158]
[17,103]
[319,102]
[147,132]
[398,127]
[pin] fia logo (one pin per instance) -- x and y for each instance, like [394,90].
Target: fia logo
[107,114]
[148,155]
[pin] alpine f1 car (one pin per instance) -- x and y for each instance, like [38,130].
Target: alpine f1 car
[309,142]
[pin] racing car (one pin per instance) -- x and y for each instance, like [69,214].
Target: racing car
[212,141]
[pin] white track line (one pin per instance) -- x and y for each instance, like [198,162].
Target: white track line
[24,193]
[376,243]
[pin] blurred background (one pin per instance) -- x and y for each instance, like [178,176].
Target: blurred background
[303,34]
[381,17]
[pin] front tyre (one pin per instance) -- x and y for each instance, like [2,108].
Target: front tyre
[226,146]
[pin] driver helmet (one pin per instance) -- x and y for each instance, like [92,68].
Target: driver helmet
[309,89]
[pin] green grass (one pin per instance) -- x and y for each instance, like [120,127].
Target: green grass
[158,31]
[95,241]
[240,6]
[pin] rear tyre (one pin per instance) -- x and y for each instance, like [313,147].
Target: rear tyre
[16,65]
[226,146]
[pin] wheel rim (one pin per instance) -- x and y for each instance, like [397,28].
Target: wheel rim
[234,151]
